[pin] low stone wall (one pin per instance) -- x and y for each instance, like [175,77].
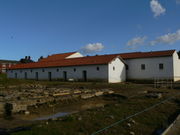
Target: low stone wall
[35,95]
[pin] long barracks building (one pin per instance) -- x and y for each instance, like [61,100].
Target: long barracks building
[111,68]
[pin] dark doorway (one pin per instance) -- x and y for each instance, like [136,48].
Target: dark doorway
[85,75]
[37,76]
[16,75]
[25,75]
[49,76]
[65,75]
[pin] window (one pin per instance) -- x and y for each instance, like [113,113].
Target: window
[143,67]
[57,69]
[11,71]
[31,70]
[43,70]
[161,66]
[97,68]
[20,71]
[113,68]
[74,69]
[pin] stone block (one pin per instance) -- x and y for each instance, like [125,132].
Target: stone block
[86,96]
[99,93]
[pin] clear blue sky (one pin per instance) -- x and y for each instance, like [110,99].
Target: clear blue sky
[42,27]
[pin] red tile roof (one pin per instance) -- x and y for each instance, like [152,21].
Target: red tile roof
[56,57]
[146,54]
[90,60]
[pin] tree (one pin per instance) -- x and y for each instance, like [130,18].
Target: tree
[40,58]
[27,59]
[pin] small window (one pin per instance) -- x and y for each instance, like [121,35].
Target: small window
[143,67]
[43,70]
[74,69]
[31,70]
[20,71]
[113,68]
[161,66]
[97,68]
[57,69]
[11,71]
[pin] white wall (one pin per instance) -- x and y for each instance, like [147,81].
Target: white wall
[117,71]
[151,68]
[92,72]
[75,55]
[106,72]
[176,66]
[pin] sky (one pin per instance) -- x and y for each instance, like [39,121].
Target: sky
[44,27]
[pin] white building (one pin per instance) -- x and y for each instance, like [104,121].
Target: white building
[111,68]
[72,66]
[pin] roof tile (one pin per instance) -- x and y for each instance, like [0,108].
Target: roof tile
[58,60]
[56,57]
[89,60]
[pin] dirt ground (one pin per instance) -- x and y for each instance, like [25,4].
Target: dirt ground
[89,115]
[74,106]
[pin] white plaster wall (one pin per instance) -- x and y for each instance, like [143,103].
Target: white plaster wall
[176,66]
[118,74]
[92,72]
[152,68]
[75,55]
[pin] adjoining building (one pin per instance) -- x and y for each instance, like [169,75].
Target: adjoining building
[5,64]
[112,68]
[72,66]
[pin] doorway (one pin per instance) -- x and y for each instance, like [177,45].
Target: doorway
[65,75]
[37,76]
[84,75]
[49,76]
[16,75]
[25,75]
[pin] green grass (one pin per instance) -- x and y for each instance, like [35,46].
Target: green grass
[4,81]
